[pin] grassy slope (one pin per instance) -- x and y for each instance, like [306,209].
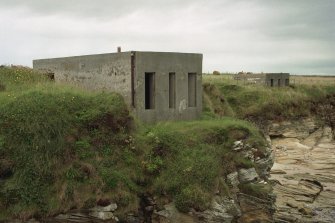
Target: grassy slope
[63,148]
[249,101]
[191,159]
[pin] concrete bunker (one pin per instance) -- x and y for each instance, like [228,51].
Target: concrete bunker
[267,79]
[277,79]
[156,86]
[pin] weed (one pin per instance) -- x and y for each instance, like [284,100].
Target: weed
[83,149]
[258,190]
[192,197]
[62,146]
[254,101]
[47,131]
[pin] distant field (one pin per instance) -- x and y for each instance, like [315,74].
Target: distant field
[226,96]
[312,80]
[294,79]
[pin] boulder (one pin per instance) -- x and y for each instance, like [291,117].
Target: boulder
[232,179]
[247,175]
[238,145]
[222,210]
[249,155]
[327,135]
[171,215]
[109,208]
[103,215]
[264,165]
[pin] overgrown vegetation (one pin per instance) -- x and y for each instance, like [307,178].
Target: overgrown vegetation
[63,148]
[193,156]
[259,102]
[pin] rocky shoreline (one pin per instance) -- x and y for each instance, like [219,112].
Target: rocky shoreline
[301,161]
[237,206]
[303,171]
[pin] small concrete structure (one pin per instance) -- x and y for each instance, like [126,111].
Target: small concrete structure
[156,85]
[277,79]
[268,79]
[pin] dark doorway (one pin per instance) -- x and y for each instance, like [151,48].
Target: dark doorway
[133,61]
[271,82]
[51,76]
[149,90]
[192,87]
[172,90]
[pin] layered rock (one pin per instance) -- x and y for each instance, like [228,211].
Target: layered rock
[95,214]
[237,206]
[304,171]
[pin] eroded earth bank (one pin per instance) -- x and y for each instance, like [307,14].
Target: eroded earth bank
[302,157]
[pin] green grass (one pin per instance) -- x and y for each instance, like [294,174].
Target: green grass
[63,145]
[19,79]
[255,101]
[193,156]
[67,148]
[64,148]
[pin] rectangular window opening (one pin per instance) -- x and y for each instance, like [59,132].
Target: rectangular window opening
[149,90]
[172,90]
[192,87]
[51,76]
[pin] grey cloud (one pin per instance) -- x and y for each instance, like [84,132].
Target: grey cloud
[254,35]
[306,19]
[96,9]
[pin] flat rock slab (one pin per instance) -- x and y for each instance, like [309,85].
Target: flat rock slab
[305,171]
[305,191]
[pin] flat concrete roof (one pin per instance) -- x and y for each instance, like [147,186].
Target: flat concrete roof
[123,52]
[277,73]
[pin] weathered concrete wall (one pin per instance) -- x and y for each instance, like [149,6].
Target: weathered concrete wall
[278,79]
[109,72]
[113,72]
[251,78]
[162,64]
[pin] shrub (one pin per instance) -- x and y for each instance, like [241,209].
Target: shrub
[19,78]
[255,101]
[196,153]
[258,190]
[192,197]
[44,130]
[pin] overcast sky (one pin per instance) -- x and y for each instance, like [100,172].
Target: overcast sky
[296,36]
